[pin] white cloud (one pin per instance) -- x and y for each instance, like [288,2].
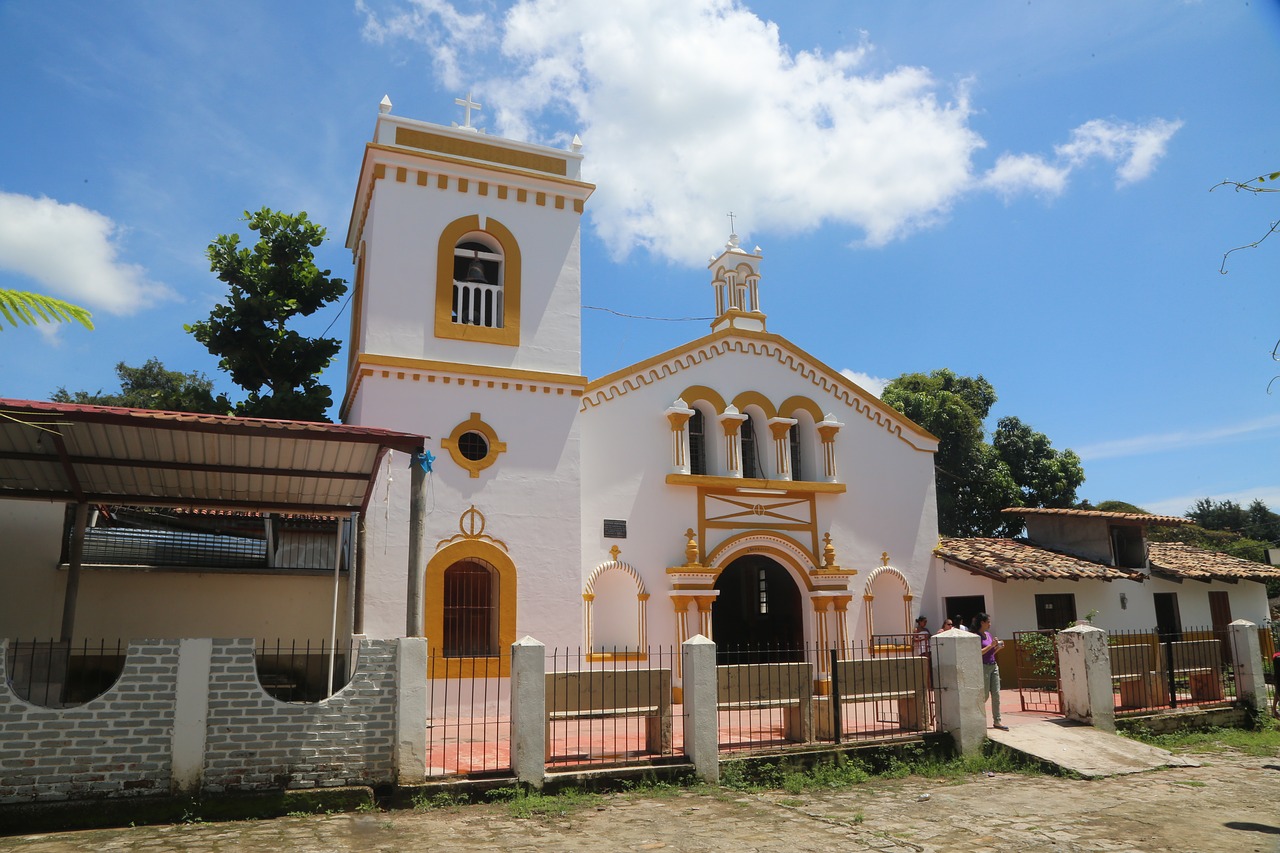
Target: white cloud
[1014,174]
[1163,442]
[873,385]
[70,252]
[1136,148]
[691,108]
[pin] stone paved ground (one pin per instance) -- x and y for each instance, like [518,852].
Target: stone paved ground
[1231,803]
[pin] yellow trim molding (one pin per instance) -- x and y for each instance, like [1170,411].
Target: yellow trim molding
[790,487]
[474,424]
[433,602]
[509,334]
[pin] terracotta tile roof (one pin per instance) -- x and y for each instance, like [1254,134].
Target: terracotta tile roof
[1140,517]
[1174,559]
[1013,559]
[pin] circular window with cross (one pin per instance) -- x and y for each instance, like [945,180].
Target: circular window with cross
[474,445]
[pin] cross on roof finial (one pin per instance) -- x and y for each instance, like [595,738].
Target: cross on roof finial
[468,105]
[731,229]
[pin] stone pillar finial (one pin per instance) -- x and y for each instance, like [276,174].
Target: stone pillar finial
[690,548]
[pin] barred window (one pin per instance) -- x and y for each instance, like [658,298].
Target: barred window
[470,610]
[697,444]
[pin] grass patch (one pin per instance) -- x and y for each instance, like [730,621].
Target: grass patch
[845,771]
[1262,741]
[524,803]
[426,801]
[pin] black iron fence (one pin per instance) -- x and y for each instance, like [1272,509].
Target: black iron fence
[1151,670]
[875,692]
[303,670]
[59,674]
[1035,668]
[608,708]
[469,715]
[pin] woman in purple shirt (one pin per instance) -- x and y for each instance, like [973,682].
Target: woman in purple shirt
[990,672]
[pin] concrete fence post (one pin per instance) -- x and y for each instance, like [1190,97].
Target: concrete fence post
[529,711]
[701,715]
[411,711]
[957,670]
[191,714]
[1246,650]
[1084,668]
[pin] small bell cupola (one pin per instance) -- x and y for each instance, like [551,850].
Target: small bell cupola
[735,277]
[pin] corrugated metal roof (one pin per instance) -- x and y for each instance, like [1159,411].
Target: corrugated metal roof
[102,454]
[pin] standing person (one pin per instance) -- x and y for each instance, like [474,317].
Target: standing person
[990,672]
[1275,682]
[920,639]
[947,625]
[959,623]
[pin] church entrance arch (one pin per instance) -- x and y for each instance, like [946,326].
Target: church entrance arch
[757,616]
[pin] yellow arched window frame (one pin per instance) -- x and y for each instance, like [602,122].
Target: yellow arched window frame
[509,334]
[433,598]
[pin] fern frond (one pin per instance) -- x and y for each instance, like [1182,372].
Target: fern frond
[20,307]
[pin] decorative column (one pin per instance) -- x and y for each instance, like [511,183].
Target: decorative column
[827,430]
[678,416]
[643,633]
[588,598]
[731,422]
[780,429]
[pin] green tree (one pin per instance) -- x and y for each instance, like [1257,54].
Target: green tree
[1047,477]
[973,484]
[21,307]
[269,285]
[977,478]
[151,386]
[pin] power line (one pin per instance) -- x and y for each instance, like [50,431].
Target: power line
[641,317]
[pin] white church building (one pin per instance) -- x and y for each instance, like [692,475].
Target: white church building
[734,486]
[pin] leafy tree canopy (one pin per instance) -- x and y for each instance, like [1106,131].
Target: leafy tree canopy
[151,386]
[977,478]
[270,284]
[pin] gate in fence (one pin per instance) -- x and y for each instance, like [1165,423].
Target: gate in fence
[1035,660]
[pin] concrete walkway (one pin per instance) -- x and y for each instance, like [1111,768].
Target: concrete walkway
[1076,747]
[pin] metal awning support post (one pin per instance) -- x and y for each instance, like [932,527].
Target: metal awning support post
[417,550]
[73,572]
[353,570]
[333,630]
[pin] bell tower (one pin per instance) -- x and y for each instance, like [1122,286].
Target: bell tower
[465,327]
[466,248]
[736,281]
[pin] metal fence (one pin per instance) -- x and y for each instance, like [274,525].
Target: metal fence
[876,692]
[469,715]
[612,708]
[1151,670]
[1035,667]
[304,671]
[59,674]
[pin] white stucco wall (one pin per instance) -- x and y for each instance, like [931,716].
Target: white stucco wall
[627,440]
[1012,604]
[401,236]
[529,498]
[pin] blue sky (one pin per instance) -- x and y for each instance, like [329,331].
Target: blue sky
[1022,193]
